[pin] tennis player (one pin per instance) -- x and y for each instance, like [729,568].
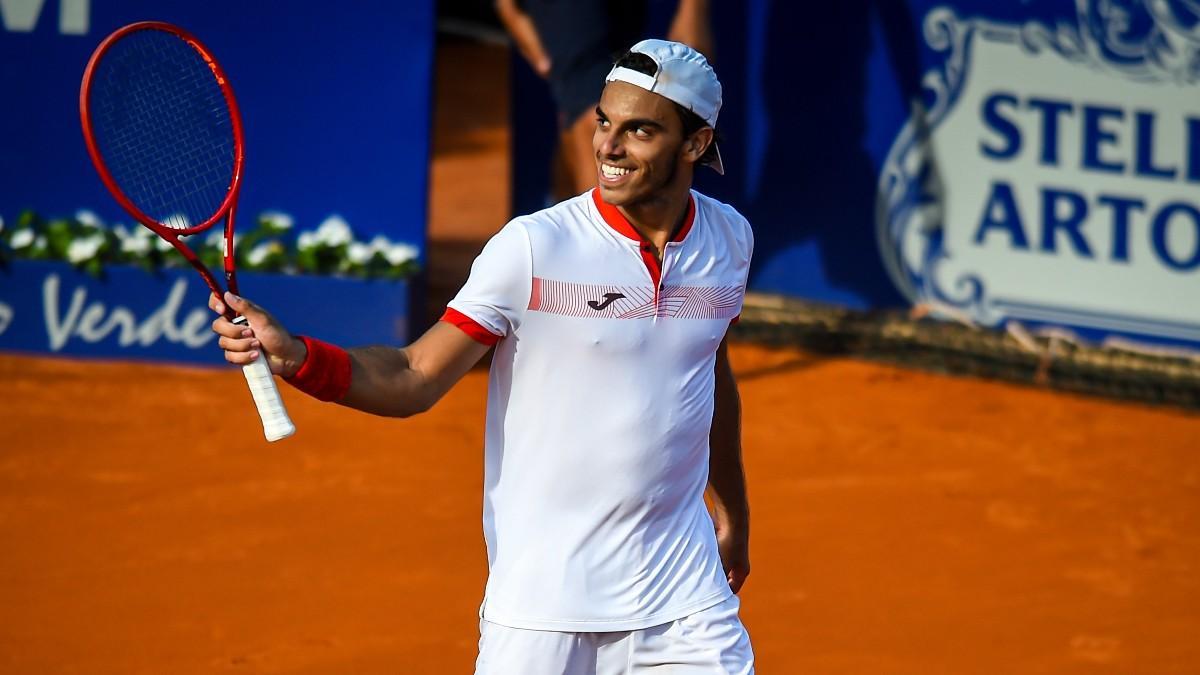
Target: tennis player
[611,402]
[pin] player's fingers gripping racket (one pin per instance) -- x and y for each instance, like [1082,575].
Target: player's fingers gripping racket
[163,130]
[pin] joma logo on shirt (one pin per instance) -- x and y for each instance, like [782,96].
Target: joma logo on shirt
[609,298]
[567,298]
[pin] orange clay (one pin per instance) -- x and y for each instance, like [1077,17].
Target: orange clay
[903,523]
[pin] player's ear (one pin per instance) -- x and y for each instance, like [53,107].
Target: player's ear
[696,144]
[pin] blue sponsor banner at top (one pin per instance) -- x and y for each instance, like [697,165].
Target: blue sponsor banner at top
[335,98]
[1033,161]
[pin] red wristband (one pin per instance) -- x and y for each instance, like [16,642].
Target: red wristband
[325,373]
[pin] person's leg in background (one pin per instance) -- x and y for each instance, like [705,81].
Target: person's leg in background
[573,44]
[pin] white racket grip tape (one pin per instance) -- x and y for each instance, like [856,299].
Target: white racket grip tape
[276,423]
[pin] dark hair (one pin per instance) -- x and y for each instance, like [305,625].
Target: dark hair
[691,122]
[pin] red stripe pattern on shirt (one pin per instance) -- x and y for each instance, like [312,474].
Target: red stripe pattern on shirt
[601,301]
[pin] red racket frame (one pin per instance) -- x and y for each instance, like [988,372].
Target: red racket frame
[228,206]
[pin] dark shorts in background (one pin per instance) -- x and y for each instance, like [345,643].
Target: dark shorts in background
[583,38]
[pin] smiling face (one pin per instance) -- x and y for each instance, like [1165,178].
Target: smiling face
[641,152]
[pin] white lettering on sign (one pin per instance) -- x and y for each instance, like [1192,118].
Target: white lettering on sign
[93,321]
[21,16]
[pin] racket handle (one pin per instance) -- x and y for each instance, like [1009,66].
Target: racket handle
[276,423]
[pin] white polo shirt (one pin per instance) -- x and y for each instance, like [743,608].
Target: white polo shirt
[600,403]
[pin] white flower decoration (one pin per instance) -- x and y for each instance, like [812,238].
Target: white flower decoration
[398,254]
[277,219]
[84,248]
[22,238]
[335,231]
[306,240]
[88,219]
[359,253]
[380,244]
[138,242]
[260,253]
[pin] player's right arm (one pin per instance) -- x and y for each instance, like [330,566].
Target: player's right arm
[383,380]
[402,382]
[387,380]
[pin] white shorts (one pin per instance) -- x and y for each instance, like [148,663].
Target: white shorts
[712,641]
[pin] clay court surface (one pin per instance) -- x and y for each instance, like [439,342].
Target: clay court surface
[903,522]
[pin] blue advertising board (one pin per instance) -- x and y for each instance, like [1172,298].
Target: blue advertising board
[1034,161]
[164,316]
[335,100]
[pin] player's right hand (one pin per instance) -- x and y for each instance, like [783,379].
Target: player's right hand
[244,343]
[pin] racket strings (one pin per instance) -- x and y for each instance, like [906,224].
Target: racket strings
[163,127]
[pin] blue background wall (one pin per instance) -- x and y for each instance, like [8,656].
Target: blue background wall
[335,98]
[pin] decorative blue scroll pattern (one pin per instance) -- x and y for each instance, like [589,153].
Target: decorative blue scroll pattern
[1151,40]
[908,210]
[1139,40]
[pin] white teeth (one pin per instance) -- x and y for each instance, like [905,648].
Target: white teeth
[613,171]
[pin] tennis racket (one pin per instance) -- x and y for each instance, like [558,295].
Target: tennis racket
[162,127]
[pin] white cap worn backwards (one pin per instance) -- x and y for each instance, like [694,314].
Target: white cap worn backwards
[683,76]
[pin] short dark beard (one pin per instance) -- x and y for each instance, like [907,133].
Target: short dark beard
[656,191]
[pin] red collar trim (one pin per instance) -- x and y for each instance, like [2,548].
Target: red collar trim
[617,221]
